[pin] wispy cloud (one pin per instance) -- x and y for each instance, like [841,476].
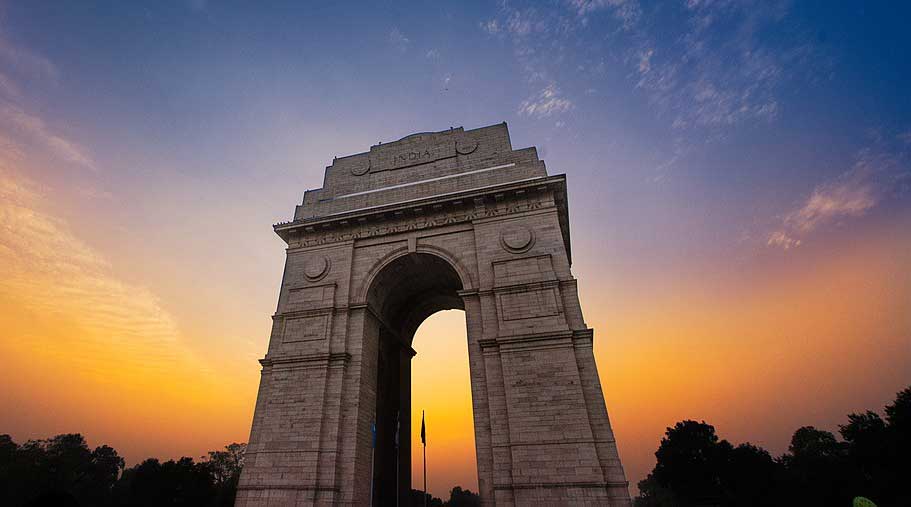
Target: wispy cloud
[627,11]
[17,124]
[520,23]
[782,240]
[46,268]
[9,88]
[26,61]
[717,72]
[491,26]
[537,37]
[545,103]
[399,40]
[645,60]
[713,69]
[872,178]
[35,128]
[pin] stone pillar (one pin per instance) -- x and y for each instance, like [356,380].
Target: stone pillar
[479,397]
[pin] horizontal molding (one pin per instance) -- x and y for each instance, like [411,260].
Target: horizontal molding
[524,338]
[324,357]
[561,485]
[295,487]
[251,452]
[419,182]
[478,192]
[557,442]
[521,287]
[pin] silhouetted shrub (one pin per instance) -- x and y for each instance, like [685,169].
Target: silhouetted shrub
[695,468]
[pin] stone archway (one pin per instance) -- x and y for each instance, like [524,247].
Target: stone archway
[452,219]
[403,293]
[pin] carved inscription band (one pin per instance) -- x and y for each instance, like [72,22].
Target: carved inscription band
[408,157]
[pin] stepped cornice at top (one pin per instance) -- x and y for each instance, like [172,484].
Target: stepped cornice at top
[420,166]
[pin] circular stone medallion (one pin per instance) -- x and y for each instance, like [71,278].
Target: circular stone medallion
[361,169]
[517,238]
[466,146]
[315,268]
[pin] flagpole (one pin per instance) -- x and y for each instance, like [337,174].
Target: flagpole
[424,442]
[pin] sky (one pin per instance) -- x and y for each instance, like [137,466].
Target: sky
[738,176]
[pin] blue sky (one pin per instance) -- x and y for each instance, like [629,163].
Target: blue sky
[748,101]
[712,148]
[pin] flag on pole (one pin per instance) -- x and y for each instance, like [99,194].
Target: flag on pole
[424,441]
[397,414]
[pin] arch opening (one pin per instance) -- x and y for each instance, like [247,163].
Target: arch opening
[441,386]
[411,288]
[404,293]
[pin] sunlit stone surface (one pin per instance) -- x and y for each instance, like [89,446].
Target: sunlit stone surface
[434,221]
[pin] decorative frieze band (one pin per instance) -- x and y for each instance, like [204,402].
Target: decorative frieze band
[418,223]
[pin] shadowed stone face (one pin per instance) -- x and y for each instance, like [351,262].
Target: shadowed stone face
[434,221]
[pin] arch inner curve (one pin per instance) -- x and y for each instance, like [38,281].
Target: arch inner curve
[411,288]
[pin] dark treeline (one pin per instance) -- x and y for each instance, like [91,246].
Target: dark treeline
[872,459]
[458,497]
[694,468]
[63,471]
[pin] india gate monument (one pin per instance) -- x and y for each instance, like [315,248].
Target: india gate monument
[455,219]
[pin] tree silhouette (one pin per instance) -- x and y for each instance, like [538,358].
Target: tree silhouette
[888,471]
[869,451]
[176,483]
[459,497]
[62,471]
[818,469]
[688,470]
[749,476]
[899,412]
[59,470]
[417,499]
[694,467]
[227,464]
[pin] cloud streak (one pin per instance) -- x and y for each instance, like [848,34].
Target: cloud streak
[545,103]
[27,61]
[46,269]
[627,11]
[717,72]
[872,178]
[399,40]
[16,121]
[711,70]
[36,129]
